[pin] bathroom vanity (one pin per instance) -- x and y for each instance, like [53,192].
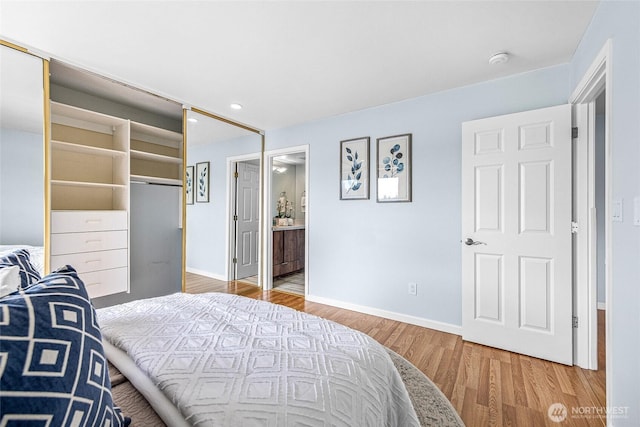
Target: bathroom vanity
[288,249]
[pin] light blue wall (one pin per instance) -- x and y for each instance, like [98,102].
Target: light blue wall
[620,22]
[206,222]
[21,188]
[366,253]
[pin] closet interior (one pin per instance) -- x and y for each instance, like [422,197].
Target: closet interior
[116,174]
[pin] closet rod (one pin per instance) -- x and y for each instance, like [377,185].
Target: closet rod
[155,183]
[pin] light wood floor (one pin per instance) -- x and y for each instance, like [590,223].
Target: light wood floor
[488,387]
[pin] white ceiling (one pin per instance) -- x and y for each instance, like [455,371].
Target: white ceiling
[293,62]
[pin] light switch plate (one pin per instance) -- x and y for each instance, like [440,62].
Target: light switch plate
[636,211]
[616,214]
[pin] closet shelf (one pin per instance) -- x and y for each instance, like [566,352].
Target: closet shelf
[86,184]
[144,155]
[155,135]
[86,149]
[156,180]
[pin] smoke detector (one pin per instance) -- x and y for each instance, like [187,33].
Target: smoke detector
[499,58]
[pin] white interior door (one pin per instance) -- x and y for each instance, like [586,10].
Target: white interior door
[516,225]
[248,225]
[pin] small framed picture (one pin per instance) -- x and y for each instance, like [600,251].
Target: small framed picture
[202,182]
[189,185]
[394,169]
[354,169]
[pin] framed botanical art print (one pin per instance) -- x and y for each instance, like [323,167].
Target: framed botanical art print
[394,169]
[354,169]
[189,185]
[202,182]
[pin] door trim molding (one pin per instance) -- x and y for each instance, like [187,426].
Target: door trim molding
[267,267]
[231,161]
[597,78]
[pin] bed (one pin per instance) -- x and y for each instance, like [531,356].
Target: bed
[207,359]
[223,359]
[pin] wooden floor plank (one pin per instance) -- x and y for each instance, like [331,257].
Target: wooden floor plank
[487,386]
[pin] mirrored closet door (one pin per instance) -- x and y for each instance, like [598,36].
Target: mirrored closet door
[224,198]
[22,212]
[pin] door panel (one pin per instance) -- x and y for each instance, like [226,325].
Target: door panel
[489,287]
[516,209]
[248,190]
[489,194]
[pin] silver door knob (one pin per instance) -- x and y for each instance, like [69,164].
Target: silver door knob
[470,242]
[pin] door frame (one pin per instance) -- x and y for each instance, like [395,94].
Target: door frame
[597,78]
[229,234]
[267,238]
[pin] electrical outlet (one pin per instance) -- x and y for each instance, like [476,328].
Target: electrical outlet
[413,288]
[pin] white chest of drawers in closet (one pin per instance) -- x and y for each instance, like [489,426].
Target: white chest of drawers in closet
[96,244]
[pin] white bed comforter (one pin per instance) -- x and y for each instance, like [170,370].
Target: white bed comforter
[227,360]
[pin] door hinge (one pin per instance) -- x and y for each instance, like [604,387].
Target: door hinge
[235,260]
[236,174]
[574,132]
[574,227]
[235,217]
[575,321]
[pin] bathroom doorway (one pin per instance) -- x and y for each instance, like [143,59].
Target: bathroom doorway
[287,212]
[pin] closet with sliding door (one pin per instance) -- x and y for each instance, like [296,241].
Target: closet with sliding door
[116,167]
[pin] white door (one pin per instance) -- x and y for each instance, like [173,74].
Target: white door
[516,228]
[248,225]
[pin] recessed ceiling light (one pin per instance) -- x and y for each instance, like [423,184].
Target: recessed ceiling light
[235,106]
[192,120]
[499,58]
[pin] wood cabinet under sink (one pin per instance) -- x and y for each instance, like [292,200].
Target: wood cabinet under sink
[288,251]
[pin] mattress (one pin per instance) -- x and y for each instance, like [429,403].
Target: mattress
[221,359]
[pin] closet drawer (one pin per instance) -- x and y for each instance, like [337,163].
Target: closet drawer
[92,261]
[72,243]
[106,282]
[79,221]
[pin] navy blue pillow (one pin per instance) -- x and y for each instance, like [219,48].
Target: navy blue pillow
[28,273]
[52,364]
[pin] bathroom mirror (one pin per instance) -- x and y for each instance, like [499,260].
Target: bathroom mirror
[223,210]
[22,213]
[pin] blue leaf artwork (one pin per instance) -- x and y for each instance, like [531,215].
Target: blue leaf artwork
[394,168]
[354,169]
[189,184]
[353,179]
[202,186]
[202,182]
[393,164]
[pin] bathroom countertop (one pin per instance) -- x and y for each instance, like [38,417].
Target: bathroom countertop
[288,227]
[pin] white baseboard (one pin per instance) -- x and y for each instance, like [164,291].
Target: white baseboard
[206,274]
[602,306]
[413,320]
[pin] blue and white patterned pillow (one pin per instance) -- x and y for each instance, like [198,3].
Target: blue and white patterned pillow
[53,370]
[28,273]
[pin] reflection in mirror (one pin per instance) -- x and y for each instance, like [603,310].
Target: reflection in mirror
[214,239]
[21,148]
